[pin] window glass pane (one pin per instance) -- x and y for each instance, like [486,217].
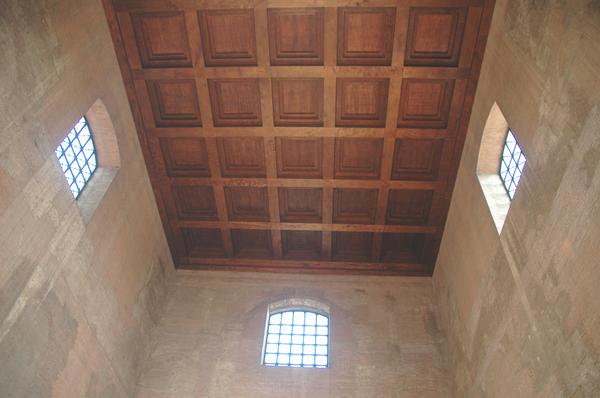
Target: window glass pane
[310,318]
[274,328]
[298,318]
[308,360]
[296,359]
[285,339]
[275,319]
[270,359]
[297,338]
[283,359]
[286,318]
[321,360]
[298,330]
[512,164]
[286,329]
[77,157]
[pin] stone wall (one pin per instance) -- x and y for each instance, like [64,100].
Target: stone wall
[384,340]
[77,297]
[521,309]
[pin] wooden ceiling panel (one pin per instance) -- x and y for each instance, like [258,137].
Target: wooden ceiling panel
[297,102]
[247,203]
[409,206]
[352,246]
[301,205]
[425,103]
[435,36]
[361,102]
[252,243]
[296,36]
[417,159]
[235,102]
[299,157]
[399,247]
[301,245]
[302,136]
[185,157]
[354,206]
[203,242]
[365,35]
[242,156]
[162,39]
[357,158]
[195,202]
[228,37]
[174,103]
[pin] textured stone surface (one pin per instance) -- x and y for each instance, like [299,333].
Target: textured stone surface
[521,311]
[384,339]
[76,299]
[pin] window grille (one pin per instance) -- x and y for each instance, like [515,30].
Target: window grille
[512,164]
[77,156]
[297,338]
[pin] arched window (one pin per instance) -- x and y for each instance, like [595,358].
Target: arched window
[89,157]
[500,165]
[297,337]
[77,156]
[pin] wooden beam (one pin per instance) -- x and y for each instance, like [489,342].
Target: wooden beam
[417,229]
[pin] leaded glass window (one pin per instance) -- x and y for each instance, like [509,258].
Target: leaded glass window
[297,338]
[512,164]
[77,156]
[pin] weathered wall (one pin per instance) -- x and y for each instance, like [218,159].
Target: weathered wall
[521,310]
[76,299]
[384,342]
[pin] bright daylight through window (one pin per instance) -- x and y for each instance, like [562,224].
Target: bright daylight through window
[77,156]
[297,338]
[512,164]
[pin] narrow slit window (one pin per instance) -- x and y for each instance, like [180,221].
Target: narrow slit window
[77,156]
[512,164]
[297,338]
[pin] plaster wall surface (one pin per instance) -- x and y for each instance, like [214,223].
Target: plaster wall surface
[521,310]
[77,298]
[208,343]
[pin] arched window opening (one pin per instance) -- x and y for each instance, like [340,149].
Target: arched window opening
[89,158]
[297,337]
[500,165]
[77,156]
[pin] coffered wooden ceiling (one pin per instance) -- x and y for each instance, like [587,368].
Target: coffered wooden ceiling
[305,136]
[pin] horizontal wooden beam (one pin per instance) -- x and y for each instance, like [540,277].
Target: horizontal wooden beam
[267,72]
[308,183]
[144,5]
[174,132]
[323,267]
[414,229]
